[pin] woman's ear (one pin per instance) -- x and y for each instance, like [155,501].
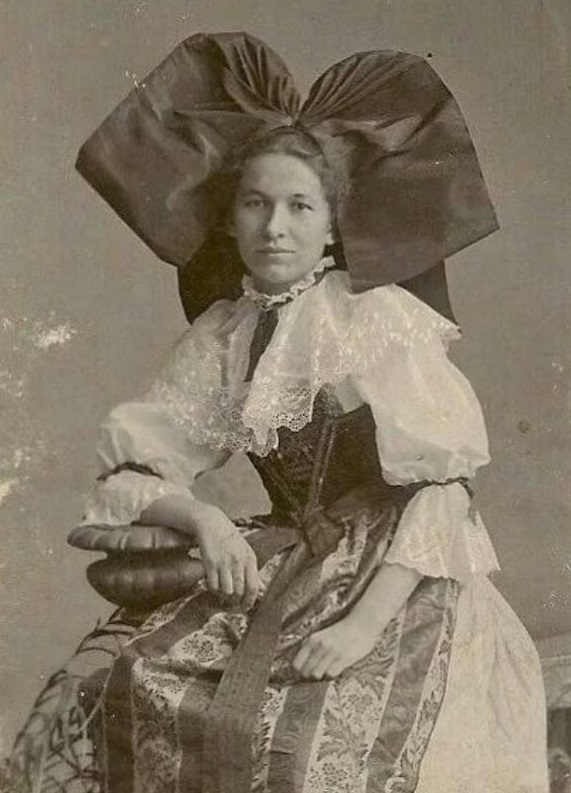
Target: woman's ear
[332,236]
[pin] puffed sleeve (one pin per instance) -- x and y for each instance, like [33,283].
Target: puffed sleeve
[430,430]
[157,445]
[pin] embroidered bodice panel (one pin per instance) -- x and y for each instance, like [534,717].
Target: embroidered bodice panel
[313,467]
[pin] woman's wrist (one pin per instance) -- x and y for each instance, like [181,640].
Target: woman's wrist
[386,594]
[366,617]
[180,512]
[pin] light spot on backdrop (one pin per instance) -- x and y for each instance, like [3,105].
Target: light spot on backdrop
[24,343]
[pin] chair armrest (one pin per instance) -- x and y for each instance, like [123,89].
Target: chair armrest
[145,566]
[132,538]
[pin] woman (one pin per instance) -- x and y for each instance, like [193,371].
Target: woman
[349,641]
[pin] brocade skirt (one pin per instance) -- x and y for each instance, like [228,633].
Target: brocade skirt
[205,700]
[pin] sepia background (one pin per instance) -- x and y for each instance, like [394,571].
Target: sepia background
[87,312]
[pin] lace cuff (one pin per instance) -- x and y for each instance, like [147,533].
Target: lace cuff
[440,537]
[120,498]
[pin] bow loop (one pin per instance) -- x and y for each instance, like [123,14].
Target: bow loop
[353,88]
[258,80]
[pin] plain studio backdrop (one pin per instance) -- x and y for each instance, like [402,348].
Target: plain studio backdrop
[87,312]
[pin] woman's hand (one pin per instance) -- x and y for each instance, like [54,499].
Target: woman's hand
[325,654]
[229,562]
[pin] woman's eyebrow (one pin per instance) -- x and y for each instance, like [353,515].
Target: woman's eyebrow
[255,191]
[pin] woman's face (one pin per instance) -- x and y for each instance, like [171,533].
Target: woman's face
[281,220]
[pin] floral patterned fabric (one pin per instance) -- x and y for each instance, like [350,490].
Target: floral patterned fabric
[451,699]
[365,731]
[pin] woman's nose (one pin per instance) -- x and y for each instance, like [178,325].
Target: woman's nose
[275,224]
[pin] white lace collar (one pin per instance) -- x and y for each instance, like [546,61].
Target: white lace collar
[265,301]
[324,336]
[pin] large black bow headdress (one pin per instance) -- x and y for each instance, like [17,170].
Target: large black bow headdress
[417,193]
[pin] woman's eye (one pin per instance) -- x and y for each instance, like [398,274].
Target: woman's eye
[253,203]
[301,206]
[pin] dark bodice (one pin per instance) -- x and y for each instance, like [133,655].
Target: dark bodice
[327,474]
[314,467]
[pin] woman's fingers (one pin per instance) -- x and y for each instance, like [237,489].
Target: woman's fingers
[238,578]
[230,565]
[252,582]
[325,654]
[234,577]
[226,577]
[317,670]
[311,659]
[323,666]
[212,578]
[302,656]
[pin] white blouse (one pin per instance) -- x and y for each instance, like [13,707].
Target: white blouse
[383,347]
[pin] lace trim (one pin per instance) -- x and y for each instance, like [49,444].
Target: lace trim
[265,301]
[324,336]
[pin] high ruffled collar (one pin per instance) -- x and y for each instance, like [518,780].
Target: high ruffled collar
[265,301]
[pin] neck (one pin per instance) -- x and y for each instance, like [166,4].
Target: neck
[269,288]
[275,294]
